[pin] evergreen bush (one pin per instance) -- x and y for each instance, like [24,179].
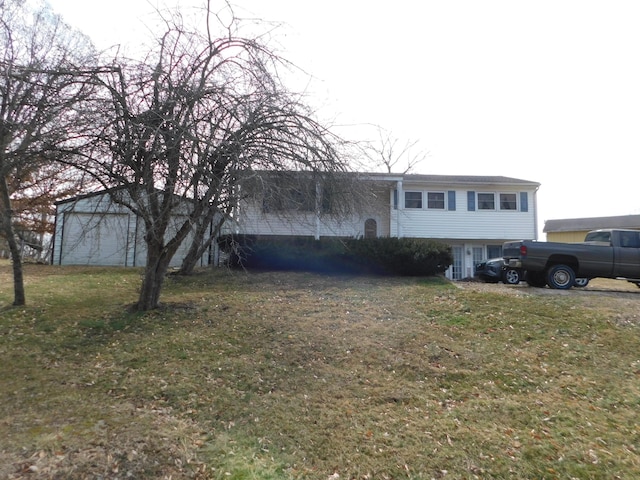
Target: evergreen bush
[391,256]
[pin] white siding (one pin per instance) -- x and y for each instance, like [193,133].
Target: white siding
[254,222]
[464,224]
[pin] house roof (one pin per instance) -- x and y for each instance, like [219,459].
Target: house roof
[454,179]
[593,223]
[468,180]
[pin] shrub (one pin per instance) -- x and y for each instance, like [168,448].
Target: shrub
[402,256]
[392,256]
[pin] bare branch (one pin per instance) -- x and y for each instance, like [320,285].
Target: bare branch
[394,156]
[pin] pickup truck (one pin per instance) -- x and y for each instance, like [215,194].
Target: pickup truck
[607,253]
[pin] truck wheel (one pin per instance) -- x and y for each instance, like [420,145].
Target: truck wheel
[581,282]
[511,276]
[536,279]
[561,277]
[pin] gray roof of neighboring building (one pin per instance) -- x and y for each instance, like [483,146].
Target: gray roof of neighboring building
[593,223]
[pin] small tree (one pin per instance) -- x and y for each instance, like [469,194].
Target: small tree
[38,90]
[182,127]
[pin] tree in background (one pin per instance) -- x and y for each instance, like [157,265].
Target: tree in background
[39,89]
[33,193]
[184,126]
[392,155]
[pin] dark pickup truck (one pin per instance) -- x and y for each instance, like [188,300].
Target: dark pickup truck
[609,253]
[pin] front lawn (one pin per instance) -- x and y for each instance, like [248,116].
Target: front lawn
[296,375]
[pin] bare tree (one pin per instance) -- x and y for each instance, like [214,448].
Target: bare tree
[38,89]
[392,155]
[182,128]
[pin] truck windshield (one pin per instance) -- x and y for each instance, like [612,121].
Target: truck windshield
[598,237]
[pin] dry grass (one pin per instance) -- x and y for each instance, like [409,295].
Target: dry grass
[293,375]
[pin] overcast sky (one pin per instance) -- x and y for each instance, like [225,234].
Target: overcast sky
[545,90]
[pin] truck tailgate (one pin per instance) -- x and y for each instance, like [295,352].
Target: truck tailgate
[511,249]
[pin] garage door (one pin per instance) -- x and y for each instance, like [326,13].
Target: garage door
[92,239]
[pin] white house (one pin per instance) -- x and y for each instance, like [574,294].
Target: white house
[93,230]
[473,214]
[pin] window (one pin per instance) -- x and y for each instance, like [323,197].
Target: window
[629,239]
[412,199]
[604,237]
[508,201]
[486,201]
[327,200]
[497,201]
[435,200]
[301,198]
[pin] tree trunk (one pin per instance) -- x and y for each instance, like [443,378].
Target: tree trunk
[199,245]
[159,255]
[154,273]
[191,258]
[7,230]
[18,281]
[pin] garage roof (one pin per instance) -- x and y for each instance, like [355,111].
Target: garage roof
[593,223]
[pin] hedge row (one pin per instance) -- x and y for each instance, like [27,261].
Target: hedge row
[392,256]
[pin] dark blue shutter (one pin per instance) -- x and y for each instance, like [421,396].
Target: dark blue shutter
[471,201]
[524,202]
[452,199]
[395,199]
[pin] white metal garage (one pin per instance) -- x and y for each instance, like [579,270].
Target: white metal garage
[93,230]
